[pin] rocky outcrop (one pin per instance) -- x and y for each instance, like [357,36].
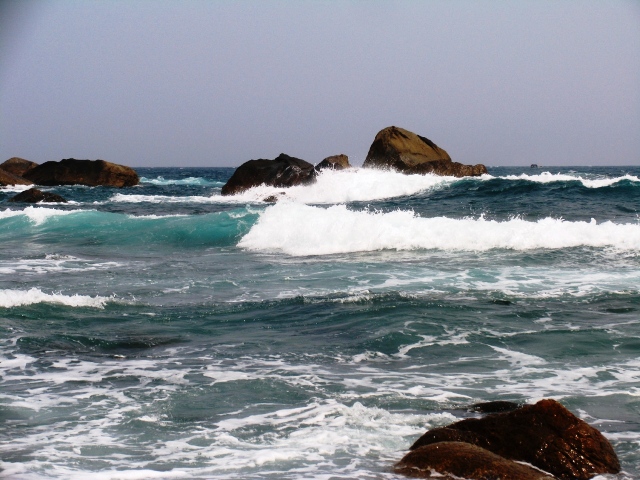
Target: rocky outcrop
[334,162]
[17,166]
[456,460]
[283,171]
[92,173]
[7,178]
[545,435]
[409,153]
[33,195]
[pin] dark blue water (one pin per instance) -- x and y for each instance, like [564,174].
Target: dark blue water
[164,331]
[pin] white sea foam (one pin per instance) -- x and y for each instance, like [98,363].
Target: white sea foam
[363,185]
[126,198]
[53,263]
[37,215]
[300,230]
[179,181]
[18,298]
[353,185]
[15,188]
[548,177]
[346,434]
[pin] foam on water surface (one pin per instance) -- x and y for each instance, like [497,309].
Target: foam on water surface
[589,182]
[17,298]
[317,337]
[38,215]
[297,229]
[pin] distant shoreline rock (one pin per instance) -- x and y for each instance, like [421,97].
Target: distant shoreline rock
[402,150]
[17,166]
[9,179]
[91,173]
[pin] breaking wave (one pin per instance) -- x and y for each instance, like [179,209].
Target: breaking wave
[300,230]
[19,298]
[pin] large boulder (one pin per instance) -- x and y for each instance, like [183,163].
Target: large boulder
[7,178]
[17,166]
[456,460]
[92,173]
[546,435]
[334,162]
[33,195]
[407,152]
[283,171]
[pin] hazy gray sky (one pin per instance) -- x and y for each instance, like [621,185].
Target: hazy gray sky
[216,83]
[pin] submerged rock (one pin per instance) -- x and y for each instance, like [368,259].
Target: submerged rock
[92,173]
[33,195]
[409,153]
[17,166]
[283,171]
[334,162]
[456,460]
[546,435]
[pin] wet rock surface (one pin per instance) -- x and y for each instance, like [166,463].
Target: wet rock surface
[545,435]
[283,171]
[402,150]
[33,195]
[456,460]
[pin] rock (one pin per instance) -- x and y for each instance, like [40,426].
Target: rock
[17,166]
[335,162]
[456,460]
[7,178]
[546,435]
[407,152]
[83,172]
[33,195]
[494,407]
[283,171]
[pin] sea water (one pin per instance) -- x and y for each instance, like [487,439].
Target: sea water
[166,331]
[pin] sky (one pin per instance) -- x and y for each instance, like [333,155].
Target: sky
[217,83]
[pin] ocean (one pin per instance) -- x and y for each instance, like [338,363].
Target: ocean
[165,331]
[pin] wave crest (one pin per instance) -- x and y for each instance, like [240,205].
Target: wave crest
[302,230]
[20,298]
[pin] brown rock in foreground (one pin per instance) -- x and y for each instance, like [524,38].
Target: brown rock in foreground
[33,195]
[409,153]
[283,171]
[7,178]
[17,166]
[92,173]
[334,162]
[455,460]
[546,435]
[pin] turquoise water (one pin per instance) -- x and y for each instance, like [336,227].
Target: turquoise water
[164,331]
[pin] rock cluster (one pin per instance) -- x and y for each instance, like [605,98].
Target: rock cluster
[392,147]
[545,435]
[17,171]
